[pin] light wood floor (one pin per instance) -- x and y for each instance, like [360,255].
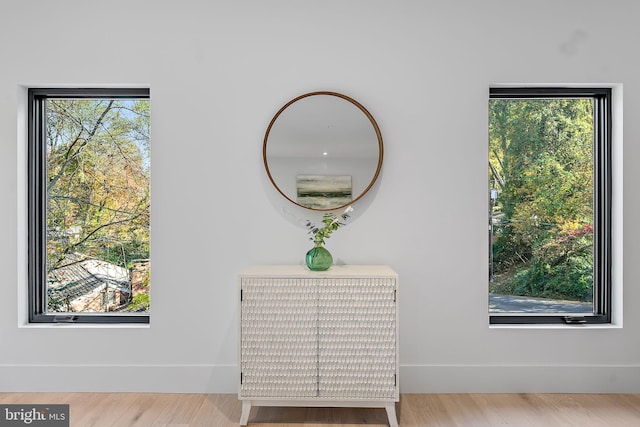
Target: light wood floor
[415,410]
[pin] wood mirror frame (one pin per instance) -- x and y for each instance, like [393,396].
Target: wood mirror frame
[323,151]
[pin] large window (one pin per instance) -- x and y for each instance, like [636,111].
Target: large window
[549,205]
[88,205]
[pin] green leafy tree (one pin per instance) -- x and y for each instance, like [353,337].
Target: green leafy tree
[98,193]
[541,161]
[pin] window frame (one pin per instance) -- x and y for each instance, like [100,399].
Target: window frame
[37,203]
[602,195]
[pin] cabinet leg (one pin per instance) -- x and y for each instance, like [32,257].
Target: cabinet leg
[246,408]
[391,414]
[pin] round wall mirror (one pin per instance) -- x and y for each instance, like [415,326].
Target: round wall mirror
[323,151]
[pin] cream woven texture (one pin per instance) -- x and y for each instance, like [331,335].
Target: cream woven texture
[318,338]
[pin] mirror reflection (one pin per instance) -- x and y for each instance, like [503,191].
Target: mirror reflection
[323,150]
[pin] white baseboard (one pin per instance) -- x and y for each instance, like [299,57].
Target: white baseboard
[519,379]
[119,378]
[413,379]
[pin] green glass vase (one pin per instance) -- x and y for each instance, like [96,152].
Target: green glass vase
[319,259]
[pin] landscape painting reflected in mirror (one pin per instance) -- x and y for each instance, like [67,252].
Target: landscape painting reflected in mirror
[98,205]
[323,191]
[541,198]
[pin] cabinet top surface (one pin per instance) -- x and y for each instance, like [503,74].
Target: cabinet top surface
[333,271]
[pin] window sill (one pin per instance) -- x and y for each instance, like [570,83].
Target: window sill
[84,325]
[558,326]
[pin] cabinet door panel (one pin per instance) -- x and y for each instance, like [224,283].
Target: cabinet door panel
[279,338]
[357,338]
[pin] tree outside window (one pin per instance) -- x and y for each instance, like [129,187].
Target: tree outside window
[546,175]
[90,202]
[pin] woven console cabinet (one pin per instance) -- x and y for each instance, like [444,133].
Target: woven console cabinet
[319,338]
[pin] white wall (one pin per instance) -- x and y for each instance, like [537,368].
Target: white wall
[218,71]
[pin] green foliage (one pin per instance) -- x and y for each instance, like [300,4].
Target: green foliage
[541,161]
[572,280]
[97,179]
[123,252]
[331,223]
[140,302]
